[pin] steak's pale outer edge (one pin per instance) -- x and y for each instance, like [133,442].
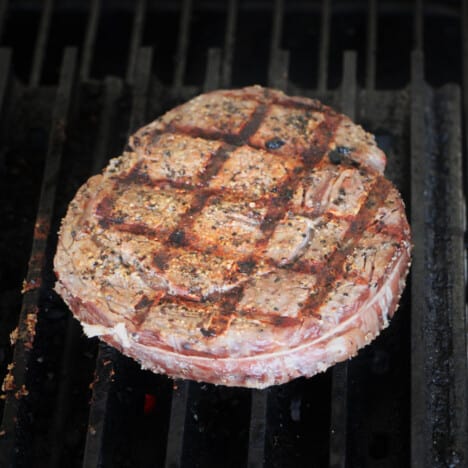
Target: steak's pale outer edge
[262,371]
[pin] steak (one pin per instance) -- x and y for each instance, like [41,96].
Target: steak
[245,238]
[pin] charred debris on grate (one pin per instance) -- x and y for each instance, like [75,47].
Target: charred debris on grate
[135,415]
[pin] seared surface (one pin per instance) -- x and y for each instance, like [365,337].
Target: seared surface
[246,238]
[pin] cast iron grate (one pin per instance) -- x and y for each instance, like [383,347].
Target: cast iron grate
[71,90]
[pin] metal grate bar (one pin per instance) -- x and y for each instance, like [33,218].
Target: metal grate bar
[182,46]
[73,332]
[455,263]
[418,25]
[113,89]
[105,368]
[279,67]
[258,424]
[90,39]
[107,357]
[324,46]
[212,75]
[349,84]
[371,51]
[41,43]
[438,328]
[420,439]
[278,12]
[14,417]
[229,40]
[279,59]
[339,390]
[175,440]
[142,86]
[5,67]
[137,32]
[464,29]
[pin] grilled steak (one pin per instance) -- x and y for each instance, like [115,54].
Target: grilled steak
[245,238]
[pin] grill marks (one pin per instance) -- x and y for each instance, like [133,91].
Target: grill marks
[320,140]
[332,272]
[179,158]
[201,186]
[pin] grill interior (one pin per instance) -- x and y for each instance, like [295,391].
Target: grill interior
[76,77]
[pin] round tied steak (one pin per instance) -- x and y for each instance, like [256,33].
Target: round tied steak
[244,238]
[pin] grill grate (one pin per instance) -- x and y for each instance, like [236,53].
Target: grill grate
[401,402]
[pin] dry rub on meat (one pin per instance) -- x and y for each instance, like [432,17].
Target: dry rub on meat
[246,238]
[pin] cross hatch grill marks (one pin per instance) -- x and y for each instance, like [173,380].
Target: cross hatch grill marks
[276,207]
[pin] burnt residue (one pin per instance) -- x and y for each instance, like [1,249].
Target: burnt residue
[274,143]
[104,223]
[144,303]
[246,266]
[286,194]
[178,237]
[118,220]
[208,332]
[337,155]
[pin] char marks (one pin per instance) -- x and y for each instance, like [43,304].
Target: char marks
[332,272]
[244,238]
[246,158]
